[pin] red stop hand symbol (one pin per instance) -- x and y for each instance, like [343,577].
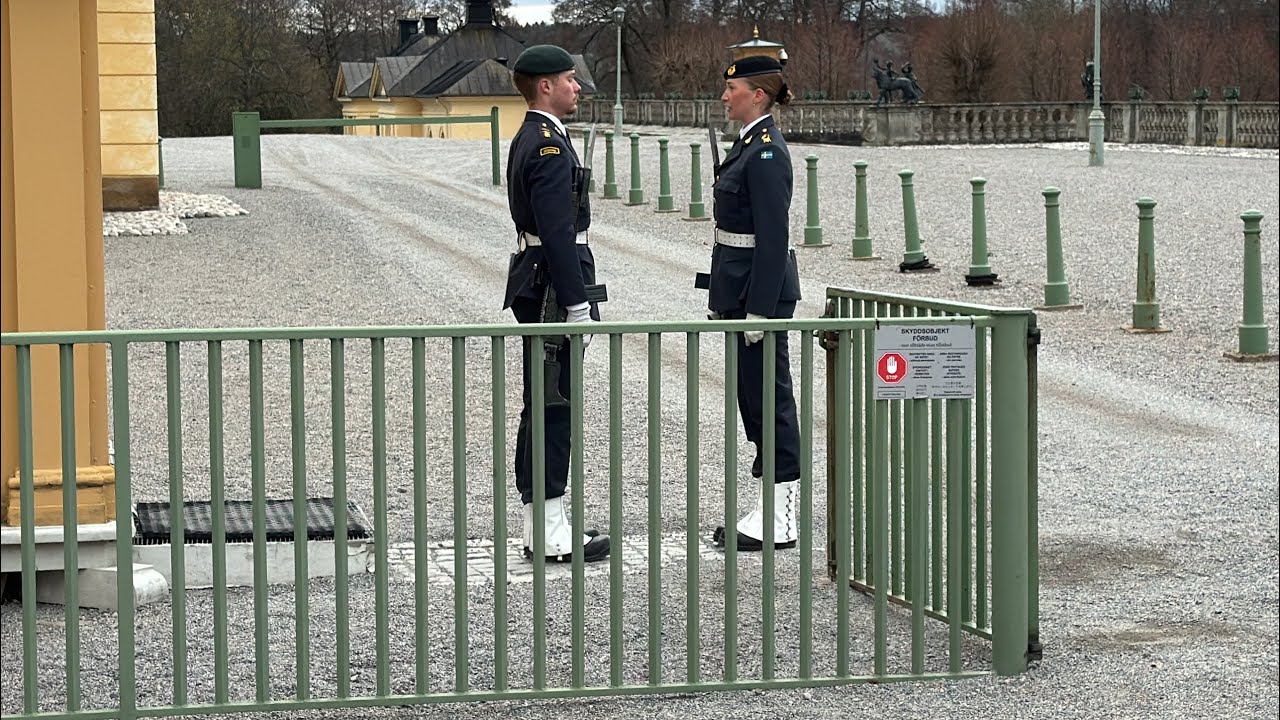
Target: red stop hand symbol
[891,368]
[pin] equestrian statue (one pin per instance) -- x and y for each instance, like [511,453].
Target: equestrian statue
[888,82]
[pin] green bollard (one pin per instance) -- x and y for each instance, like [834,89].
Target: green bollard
[586,150]
[636,195]
[697,208]
[913,259]
[980,274]
[1254,344]
[812,230]
[861,228]
[610,177]
[246,143]
[1146,311]
[1057,296]
[665,203]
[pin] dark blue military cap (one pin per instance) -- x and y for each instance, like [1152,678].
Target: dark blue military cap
[753,65]
[543,60]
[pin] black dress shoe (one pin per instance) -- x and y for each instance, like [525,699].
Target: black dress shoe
[747,543]
[596,549]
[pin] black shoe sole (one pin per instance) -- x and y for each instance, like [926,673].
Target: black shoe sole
[747,543]
[595,550]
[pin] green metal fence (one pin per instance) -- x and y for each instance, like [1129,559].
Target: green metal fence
[246,137]
[741,646]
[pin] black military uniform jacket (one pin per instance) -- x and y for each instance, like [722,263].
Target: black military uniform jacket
[540,191]
[753,197]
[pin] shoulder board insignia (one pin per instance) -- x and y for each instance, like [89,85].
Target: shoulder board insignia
[766,155]
[549,150]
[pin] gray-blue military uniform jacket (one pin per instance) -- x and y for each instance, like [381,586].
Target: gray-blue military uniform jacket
[753,197]
[541,172]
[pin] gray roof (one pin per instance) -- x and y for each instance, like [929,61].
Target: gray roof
[394,69]
[471,78]
[488,77]
[474,60]
[469,42]
[417,44]
[355,77]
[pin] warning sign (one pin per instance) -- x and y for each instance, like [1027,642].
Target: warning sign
[915,363]
[891,368]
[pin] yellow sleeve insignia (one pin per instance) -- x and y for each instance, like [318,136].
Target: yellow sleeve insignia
[765,138]
[549,150]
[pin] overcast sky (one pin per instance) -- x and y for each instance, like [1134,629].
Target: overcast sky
[531,11]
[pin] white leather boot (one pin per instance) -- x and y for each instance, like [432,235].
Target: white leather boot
[786,519]
[558,532]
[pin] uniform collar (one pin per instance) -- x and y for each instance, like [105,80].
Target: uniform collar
[743,133]
[559,125]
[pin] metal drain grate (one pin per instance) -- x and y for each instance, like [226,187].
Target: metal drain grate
[151,521]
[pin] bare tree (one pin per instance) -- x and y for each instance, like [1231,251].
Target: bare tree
[970,51]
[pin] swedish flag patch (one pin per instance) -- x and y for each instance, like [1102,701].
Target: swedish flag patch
[549,150]
[766,155]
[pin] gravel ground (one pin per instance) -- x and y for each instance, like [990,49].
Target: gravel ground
[1158,458]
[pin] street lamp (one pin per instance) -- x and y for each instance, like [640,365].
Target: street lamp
[618,14]
[1096,120]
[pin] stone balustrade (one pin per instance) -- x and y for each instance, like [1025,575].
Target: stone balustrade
[1221,124]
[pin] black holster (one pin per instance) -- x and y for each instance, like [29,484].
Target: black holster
[553,312]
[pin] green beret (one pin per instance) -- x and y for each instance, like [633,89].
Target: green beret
[543,60]
[753,65]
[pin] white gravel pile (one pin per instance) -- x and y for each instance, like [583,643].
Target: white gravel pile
[1159,516]
[174,207]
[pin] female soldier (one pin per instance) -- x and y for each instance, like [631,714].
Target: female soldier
[753,276]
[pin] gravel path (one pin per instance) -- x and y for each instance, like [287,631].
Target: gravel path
[1158,458]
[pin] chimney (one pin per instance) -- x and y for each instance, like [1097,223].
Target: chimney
[480,12]
[431,25]
[408,27]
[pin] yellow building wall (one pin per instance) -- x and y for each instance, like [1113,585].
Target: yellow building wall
[127,91]
[511,110]
[400,108]
[360,109]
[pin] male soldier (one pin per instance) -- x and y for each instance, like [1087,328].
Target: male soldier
[551,279]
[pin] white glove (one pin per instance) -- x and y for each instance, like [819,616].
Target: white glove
[753,336]
[713,315]
[580,313]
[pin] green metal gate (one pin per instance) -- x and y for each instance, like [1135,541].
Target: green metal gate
[937,498]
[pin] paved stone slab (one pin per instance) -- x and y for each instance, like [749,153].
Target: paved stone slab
[480,559]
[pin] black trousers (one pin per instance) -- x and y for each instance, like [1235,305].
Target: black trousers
[557,419]
[786,456]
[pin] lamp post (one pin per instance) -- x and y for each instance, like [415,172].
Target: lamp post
[618,14]
[1096,120]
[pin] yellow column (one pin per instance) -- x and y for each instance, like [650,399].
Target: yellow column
[130,131]
[51,264]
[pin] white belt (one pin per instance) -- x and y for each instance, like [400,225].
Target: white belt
[524,239]
[738,240]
